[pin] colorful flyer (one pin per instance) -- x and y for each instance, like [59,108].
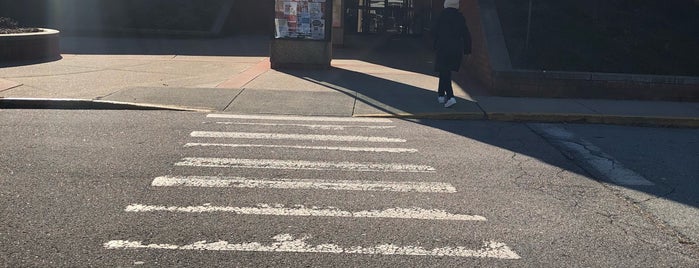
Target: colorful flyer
[290,8]
[302,19]
[318,29]
[316,10]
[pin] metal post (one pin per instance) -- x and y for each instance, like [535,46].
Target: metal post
[529,24]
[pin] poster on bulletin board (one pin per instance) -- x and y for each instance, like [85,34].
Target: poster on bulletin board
[302,19]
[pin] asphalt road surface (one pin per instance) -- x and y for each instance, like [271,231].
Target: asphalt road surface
[161,188]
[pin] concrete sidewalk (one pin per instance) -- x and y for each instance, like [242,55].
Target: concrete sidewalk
[384,77]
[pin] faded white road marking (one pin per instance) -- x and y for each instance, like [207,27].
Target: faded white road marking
[590,157]
[301,118]
[280,136]
[287,243]
[300,164]
[329,148]
[323,127]
[300,210]
[339,185]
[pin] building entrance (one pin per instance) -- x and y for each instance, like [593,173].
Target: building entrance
[381,16]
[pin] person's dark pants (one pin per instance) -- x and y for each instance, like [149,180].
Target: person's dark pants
[445,84]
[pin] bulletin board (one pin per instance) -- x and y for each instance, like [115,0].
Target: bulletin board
[303,19]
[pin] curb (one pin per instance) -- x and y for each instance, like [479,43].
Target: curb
[437,116]
[86,104]
[649,121]
[624,120]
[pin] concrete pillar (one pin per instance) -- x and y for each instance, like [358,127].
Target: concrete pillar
[300,54]
[338,38]
[303,35]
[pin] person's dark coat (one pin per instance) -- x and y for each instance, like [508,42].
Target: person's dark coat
[452,40]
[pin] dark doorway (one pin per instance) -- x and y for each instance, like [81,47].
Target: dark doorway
[381,16]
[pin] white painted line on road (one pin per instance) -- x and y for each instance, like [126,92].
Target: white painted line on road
[301,118]
[339,185]
[300,164]
[329,148]
[279,136]
[287,243]
[300,210]
[322,127]
[591,157]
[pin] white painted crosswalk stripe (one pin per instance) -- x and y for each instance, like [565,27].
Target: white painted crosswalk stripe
[287,243]
[280,136]
[301,118]
[328,148]
[321,127]
[299,210]
[339,185]
[299,164]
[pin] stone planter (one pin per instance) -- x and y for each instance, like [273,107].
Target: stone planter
[30,47]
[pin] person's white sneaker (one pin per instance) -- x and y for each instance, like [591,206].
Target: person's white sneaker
[441,99]
[450,102]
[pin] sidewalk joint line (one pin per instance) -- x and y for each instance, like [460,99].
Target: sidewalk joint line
[354,105]
[109,94]
[485,114]
[583,105]
[234,97]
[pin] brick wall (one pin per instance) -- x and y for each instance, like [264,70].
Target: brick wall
[553,84]
[490,64]
[478,64]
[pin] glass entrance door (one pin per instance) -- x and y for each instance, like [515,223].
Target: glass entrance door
[399,16]
[379,16]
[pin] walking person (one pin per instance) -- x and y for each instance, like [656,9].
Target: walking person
[452,41]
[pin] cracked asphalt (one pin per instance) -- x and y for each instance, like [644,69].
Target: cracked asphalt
[653,168]
[66,177]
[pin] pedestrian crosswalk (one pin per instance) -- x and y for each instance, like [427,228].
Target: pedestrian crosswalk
[269,135]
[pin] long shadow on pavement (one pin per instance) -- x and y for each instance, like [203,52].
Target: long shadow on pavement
[379,96]
[387,96]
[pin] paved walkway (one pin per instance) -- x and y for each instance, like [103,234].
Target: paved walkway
[371,76]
